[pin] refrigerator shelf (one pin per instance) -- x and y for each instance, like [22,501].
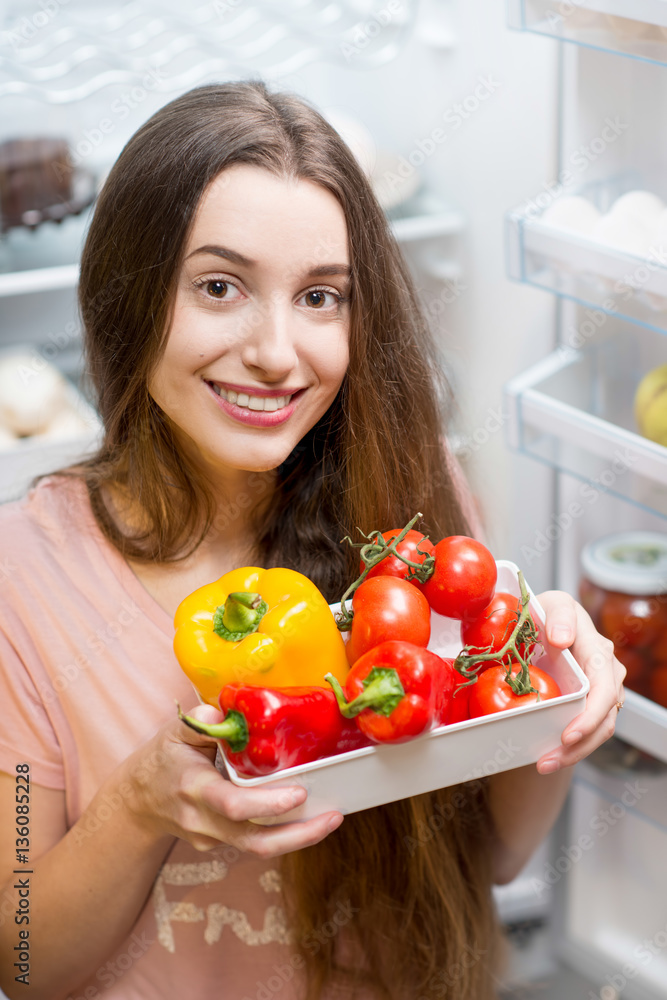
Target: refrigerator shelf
[89,49]
[44,259]
[423,217]
[43,279]
[31,456]
[574,411]
[584,270]
[633,28]
[643,724]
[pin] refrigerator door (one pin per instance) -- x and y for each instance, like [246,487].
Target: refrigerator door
[574,411]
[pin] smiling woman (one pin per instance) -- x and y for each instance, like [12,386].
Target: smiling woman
[266,383]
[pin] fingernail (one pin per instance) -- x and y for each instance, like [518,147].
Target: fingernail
[572,737]
[560,633]
[549,766]
[334,823]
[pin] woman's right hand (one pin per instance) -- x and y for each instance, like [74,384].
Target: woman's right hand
[185,796]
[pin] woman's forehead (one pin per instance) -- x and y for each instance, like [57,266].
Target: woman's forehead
[257,214]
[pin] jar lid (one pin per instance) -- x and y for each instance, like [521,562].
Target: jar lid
[632,562]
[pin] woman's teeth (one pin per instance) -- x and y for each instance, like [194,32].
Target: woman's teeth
[268,403]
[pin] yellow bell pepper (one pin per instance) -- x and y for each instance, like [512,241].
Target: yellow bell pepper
[265,627]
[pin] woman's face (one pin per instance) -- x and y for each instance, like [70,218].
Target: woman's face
[258,345]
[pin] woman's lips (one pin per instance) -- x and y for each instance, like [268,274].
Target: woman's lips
[256,418]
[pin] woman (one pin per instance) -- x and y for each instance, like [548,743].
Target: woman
[266,384]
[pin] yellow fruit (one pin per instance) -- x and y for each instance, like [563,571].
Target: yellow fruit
[651,405]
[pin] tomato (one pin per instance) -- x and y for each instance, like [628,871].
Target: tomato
[391,565]
[631,621]
[464,577]
[491,692]
[458,707]
[387,608]
[490,630]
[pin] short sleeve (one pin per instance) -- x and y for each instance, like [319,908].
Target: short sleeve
[26,732]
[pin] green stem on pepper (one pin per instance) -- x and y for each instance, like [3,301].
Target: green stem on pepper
[239,616]
[382,692]
[372,552]
[468,663]
[233,729]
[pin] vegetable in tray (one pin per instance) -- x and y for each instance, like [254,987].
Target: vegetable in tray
[263,645]
[265,627]
[268,729]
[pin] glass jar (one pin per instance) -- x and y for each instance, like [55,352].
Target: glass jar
[624,590]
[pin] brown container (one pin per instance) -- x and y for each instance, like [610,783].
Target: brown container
[624,589]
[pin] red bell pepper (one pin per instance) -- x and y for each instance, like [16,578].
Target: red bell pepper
[267,729]
[397,691]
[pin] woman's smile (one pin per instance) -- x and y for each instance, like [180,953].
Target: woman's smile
[255,409]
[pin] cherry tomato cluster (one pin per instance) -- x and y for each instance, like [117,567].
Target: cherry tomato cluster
[397,689]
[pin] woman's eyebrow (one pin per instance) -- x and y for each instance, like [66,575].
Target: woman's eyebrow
[233,255]
[321,270]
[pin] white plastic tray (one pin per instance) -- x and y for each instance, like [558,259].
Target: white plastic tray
[584,22]
[586,270]
[446,756]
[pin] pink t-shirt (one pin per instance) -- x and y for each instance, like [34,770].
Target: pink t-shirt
[87,674]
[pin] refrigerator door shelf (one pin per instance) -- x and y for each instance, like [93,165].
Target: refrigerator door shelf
[574,411]
[643,724]
[634,28]
[592,273]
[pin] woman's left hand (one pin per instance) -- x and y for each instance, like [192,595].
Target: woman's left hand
[567,624]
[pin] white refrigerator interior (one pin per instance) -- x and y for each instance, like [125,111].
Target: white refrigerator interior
[474,122]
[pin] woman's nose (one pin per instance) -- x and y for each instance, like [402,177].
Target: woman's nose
[268,343]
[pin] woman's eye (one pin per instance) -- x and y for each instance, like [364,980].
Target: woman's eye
[317,298]
[217,288]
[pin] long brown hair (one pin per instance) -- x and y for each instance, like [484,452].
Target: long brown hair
[414,873]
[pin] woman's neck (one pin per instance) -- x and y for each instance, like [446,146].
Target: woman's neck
[229,544]
[232,523]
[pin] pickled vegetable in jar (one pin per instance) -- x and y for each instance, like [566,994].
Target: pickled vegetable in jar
[624,590]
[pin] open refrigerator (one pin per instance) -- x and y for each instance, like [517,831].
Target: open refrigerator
[472,121]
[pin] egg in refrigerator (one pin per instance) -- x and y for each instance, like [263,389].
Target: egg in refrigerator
[572,213]
[638,206]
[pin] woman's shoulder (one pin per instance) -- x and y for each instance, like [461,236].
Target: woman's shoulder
[53,511]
